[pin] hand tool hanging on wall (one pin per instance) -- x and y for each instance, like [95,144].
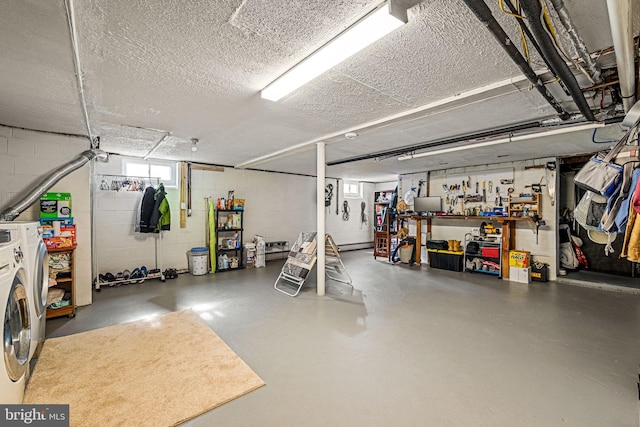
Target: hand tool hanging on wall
[536,188]
[490,187]
[477,187]
[484,191]
[337,195]
[537,222]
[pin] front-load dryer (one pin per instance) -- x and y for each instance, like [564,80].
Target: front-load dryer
[36,265]
[14,300]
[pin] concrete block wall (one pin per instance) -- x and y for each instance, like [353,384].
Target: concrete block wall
[25,157]
[544,250]
[278,207]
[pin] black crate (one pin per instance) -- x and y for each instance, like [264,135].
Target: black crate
[540,272]
[445,260]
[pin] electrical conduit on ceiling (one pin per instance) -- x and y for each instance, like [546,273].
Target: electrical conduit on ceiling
[533,11]
[480,9]
[510,138]
[621,29]
[76,62]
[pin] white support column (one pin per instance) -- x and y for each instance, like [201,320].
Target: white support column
[320,215]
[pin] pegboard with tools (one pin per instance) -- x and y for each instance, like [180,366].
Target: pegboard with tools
[475,193]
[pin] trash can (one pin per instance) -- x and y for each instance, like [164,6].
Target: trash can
[406,253]
[198,261]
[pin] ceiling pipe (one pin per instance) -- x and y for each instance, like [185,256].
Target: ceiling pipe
[511,138]
[41,187]
[405,151]
[578,43]
[382,155]
[533,11]
[480,9]
[158,144]
[621,28]
[527,31]
[76,63]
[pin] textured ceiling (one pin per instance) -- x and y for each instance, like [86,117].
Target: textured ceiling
[195,69]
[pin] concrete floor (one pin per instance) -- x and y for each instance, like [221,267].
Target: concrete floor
[410,347]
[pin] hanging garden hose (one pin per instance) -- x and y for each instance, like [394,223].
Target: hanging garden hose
[363,216]
[345,211]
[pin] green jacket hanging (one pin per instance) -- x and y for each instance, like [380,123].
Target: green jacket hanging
[161,216]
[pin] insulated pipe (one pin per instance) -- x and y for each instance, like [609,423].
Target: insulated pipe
[620,22]
[480,9]
[534,12]
[49,181]
[581,48]
[525,29]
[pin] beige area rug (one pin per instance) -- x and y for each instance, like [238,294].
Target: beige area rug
[159,372]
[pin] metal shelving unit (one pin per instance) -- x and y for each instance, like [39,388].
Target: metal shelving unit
[488,259]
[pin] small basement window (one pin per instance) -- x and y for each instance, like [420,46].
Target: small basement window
[352,189]
[166,171]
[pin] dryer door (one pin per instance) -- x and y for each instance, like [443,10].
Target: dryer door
[41,279]
[17,330]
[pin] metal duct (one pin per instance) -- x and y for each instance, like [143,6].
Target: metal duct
[49,181]
[480,9]
[589,63]
[534,14]
[621,28]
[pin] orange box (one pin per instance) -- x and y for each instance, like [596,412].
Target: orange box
[520,259]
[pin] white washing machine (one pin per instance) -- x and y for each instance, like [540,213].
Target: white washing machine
[14,300]
[36,265]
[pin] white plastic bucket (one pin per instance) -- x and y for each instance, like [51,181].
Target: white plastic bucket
[198,258]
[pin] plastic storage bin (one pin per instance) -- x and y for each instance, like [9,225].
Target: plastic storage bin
[445,260]
[198,258]
[491,252]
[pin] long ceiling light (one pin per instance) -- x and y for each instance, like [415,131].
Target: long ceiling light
[510,138]
[367,30]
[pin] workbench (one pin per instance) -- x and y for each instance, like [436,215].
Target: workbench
[508,233]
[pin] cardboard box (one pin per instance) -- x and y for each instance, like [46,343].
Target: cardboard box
[520,259]
[58,242]
[520,275]
[55,205]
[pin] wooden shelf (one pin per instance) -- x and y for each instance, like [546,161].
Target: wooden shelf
[66,282]
[524,207]
[384,225]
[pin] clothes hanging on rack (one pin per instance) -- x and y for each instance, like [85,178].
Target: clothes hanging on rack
[160,219]
[146,210]
[122,183]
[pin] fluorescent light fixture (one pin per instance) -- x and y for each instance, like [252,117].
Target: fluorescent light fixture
[372,27]
[511,138]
